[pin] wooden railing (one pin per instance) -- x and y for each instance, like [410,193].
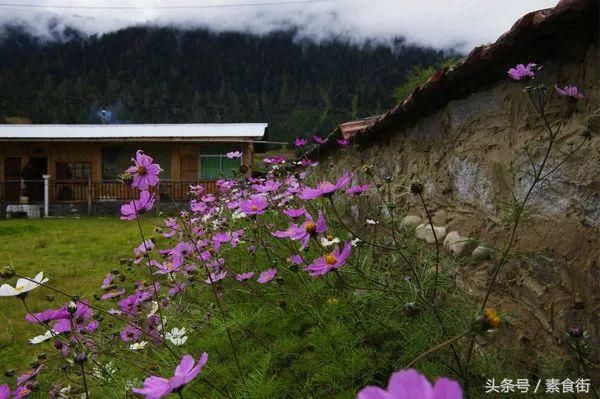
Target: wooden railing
[89,190]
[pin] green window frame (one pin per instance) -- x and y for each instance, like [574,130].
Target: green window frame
[214,163]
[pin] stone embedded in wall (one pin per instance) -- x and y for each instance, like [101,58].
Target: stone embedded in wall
[455,244]
[426,233]
[410,221]
[481,252]
[463,111]
[471,183]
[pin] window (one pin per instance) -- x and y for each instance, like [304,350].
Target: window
[214,162]
[73,170]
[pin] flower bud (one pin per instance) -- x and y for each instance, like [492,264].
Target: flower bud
[72,308]
[576,332]
[126,178]
[80,358]
[411,309]
[7,272]
[416,188]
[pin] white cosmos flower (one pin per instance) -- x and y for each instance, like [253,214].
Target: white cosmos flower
[64,392]
[238,214]
[154,309]
[371,221]
[105,372]
[177,336]
[355,242]
[328,241]
[138,345]
[23,285]
[41,338]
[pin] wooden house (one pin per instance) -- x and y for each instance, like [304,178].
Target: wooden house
[83,162]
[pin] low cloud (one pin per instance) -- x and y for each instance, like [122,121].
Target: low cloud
[459,25]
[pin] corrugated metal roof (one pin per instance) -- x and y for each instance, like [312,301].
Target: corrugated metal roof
[184,131]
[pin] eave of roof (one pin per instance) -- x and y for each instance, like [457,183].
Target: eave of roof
[559,33]
[130,132]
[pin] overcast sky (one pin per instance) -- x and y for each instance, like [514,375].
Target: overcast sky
[458,24]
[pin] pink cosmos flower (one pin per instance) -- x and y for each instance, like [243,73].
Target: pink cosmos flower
[172,226]
[267,187]
[409,384]
[106,283]
[276,160]
[220,238]
[300,142]
[145,173]
[21,392]
[168,267]
[319,139]
[142,250]
[114,294]
[357,190]
[522,71]
[234,155]
[305,231]
[130,334]
[158,387]
[244,276]
[294,213]
[197,190]
[4,391]
[81,320]
[176,289]
[325,188]
[130,304]
[208,198]
[137,207]
[295,259]
[308,162]
[343,142]
[569,91]
[216,277]
[267,276]
[26,376]
[256,205]
[334,260]
[47,315]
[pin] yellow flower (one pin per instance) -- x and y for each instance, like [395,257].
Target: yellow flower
[492,318]
[332,301]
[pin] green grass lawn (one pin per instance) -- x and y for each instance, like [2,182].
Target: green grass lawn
[75,254]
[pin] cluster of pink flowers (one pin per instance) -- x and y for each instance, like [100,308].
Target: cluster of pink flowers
[25,385]
[300,142]
[522,72]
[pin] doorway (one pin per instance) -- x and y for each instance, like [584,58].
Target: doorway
[32,174]
[12,178]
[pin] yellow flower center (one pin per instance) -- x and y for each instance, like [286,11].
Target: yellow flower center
[311,227]
[142,170]
[492,318]
[330,237]
[330,259]
[19,288]
[254,208]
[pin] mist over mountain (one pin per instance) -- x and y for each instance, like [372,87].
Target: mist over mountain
[143,74]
